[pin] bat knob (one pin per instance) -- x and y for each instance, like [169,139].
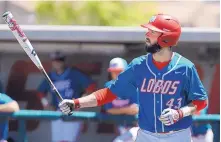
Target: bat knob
[72,108]
[69,114]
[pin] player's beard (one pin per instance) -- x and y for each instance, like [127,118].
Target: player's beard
[152,48]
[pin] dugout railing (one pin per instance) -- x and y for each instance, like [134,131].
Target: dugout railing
[23,115]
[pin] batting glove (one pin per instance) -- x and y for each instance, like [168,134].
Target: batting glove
[44,102]
[170,116]
[66,106]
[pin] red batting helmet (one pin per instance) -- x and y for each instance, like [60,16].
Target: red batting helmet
[168,26]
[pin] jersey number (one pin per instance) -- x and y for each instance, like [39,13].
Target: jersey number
[176,104]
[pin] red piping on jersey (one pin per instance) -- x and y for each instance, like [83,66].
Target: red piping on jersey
[104,96]
[200,104]
[160,65]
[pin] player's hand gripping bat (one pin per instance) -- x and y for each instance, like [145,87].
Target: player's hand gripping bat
[27,47]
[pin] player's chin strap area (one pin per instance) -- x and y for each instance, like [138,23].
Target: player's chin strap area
[153,48]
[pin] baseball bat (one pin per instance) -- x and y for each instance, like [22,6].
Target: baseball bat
[27,47]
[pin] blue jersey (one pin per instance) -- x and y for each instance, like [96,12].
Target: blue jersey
[175,86]
[70,84]
[117,103]
[4,99]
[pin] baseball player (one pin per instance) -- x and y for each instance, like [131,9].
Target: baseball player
[121,106]
[6,105]
[71,83]
[170,90]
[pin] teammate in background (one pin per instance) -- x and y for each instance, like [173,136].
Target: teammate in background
[71,83]
[121,106]
[6,105]
[202,132]
[170,90]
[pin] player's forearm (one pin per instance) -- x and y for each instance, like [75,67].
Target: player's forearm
[194,106]
[86,101]
[188,109]
[97,98]
[9,107]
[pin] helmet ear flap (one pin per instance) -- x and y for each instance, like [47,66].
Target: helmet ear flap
[162,41]
[168,39]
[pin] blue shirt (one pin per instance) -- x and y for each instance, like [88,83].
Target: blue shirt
[118,103]
[4,99]
[175,86]
[70,84]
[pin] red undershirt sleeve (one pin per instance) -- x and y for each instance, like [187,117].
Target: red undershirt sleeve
[200,104]
[104,96]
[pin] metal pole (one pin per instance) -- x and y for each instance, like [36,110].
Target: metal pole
[22,131]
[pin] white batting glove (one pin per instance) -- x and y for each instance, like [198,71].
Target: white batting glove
[44,102]
[170,116]
[66,106]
